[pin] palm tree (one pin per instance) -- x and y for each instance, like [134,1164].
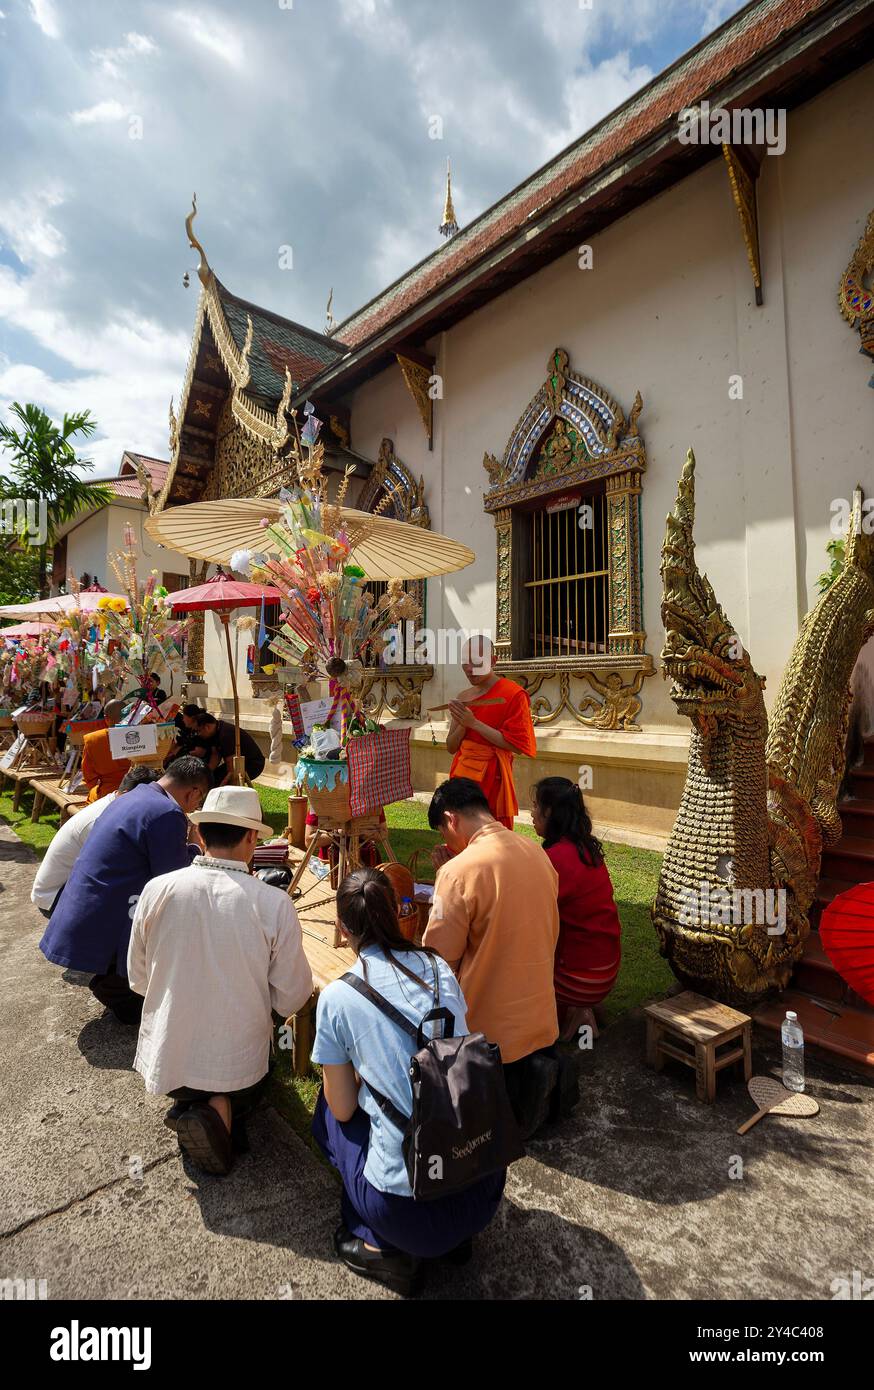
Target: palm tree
[44,468]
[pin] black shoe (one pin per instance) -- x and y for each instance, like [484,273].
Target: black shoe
[533,1092]
[461,1255]
[204,1138]
[131,1018]
[399,1272]
[239,1135]
[179,1107]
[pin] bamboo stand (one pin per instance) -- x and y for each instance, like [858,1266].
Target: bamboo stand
[346,837]
[238,777]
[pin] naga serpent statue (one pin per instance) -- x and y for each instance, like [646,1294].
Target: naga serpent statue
[742,863]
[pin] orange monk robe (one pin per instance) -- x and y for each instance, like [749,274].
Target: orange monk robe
[101,772]
[492,767]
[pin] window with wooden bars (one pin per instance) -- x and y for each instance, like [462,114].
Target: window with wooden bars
[568,589]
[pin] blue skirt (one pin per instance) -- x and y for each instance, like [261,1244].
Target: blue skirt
[387,1220]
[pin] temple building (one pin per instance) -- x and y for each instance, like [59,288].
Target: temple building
[691,272]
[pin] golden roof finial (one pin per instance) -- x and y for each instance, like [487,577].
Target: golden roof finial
[448,227]
[203,270]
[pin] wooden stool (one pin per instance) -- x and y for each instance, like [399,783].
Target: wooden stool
[690,1028]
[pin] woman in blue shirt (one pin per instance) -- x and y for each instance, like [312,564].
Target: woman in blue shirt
[385,1234]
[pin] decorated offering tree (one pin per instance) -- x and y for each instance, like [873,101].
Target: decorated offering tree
[332,622]
[137,633]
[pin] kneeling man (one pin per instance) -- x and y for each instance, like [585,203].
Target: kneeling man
[214,950]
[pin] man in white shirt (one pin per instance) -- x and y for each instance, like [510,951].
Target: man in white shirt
[64,850]
[214,951]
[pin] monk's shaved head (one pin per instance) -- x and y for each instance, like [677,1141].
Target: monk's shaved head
[478,657]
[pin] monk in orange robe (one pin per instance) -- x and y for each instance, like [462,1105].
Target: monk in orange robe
[485,737]
[101,772]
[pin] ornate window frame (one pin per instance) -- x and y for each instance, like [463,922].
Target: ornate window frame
[616,453]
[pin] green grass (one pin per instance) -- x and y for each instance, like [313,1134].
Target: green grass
[38,835]
[634,873]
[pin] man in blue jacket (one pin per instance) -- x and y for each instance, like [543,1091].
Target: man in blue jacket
[139,836]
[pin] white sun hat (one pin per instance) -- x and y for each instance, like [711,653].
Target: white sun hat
[233,806]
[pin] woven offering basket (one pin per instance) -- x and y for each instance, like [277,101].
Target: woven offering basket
[166,737]
[35,725]
[77,730]
[329,797]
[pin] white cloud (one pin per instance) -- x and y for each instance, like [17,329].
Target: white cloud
[134,46]
[100,114]
[43,13]
[212,34]
[591,94]
[124,370]
[25,228]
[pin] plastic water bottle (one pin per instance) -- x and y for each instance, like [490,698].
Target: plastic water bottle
[793,1053]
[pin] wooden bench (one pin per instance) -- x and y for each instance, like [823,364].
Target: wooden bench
[317,913]
[689,1028]
[49,789]
[22,777]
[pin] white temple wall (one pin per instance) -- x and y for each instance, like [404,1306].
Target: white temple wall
[669,309]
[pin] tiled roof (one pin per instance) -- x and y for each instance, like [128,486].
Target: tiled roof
[277,343]
[154,467]
[740,40]
[121,487]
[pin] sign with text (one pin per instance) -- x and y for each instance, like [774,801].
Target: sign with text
[316,712]
[125,741]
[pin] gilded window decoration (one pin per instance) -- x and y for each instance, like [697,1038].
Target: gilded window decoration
[856,293]
[565,497]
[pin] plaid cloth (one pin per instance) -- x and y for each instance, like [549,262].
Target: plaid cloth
[379,770]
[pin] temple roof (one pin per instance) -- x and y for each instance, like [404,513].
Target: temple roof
[277,343]
[771,52]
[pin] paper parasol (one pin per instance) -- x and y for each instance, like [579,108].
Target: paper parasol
[846,931]
[385,549]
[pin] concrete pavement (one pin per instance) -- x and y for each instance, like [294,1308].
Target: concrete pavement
[644,1194]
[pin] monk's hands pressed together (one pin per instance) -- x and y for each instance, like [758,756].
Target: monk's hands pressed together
[440,855]
[463,715]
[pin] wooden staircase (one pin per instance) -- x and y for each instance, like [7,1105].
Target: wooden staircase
[834,1018]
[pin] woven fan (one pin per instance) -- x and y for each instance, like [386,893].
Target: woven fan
[772,1098]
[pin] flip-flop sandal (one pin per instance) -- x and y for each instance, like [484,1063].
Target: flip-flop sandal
[204,1138]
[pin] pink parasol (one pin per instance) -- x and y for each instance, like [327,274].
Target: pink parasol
[28,630]
[85,601]
[221,594]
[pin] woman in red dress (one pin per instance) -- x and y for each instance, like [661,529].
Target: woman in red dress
[588,952]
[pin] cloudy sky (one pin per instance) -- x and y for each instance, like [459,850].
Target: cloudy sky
[301,123]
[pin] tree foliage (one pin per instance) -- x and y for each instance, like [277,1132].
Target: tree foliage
[44,466]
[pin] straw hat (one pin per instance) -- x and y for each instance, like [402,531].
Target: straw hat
[233,806]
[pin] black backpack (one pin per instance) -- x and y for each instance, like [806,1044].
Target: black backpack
[462,1128]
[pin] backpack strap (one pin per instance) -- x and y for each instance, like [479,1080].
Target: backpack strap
[382,1004]
[388,1108]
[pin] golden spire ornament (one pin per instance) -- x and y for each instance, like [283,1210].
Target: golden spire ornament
[448,227]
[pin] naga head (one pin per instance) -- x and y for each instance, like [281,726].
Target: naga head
[712,678]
